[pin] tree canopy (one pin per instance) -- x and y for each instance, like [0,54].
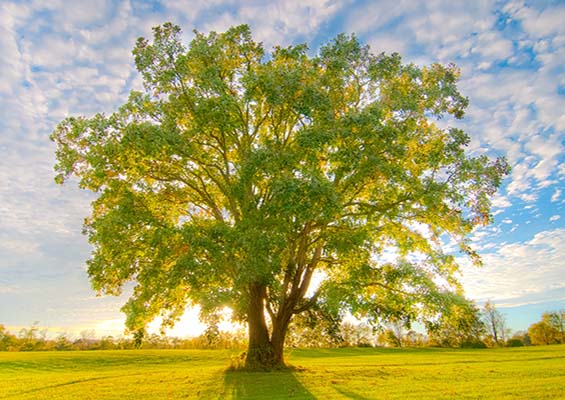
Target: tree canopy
[459,325]
[236,176]
[549,330]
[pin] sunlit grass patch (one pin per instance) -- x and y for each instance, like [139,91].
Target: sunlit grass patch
[522,373]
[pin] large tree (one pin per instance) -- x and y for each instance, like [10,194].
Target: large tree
[236,177]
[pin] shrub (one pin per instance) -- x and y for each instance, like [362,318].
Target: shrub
[514,343]
[473,344]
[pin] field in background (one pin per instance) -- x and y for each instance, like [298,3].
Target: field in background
[517,373]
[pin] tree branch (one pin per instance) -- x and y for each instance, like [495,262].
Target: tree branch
[307,304]
[307,278]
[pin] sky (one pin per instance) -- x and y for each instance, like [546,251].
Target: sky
[65,57]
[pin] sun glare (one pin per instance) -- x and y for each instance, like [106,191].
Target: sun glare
[188,325]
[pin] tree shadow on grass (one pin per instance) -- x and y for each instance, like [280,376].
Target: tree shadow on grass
[263,385]
[351,395]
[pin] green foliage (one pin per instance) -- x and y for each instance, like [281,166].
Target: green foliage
[63,343]
[390,338]
[521,336]
[473,344]
[234,174]
[514,342]
[8,341]
[557,320]
[32,338]
[459,325]
[545,331]
[541,333]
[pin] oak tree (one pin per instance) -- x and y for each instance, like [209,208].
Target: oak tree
[236,177]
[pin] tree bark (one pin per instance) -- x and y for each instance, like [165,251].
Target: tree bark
[280,328]
[494,330]
[262,353]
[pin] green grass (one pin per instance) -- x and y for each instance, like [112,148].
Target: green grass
[519,373]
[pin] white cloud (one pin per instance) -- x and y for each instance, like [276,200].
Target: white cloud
[17,246]
[555,218]
[57,50]
[74,13]
[519,272]
[32,203]
[222,22]
[192,8]
[556,195]
[492,46]
[273,23]
[387,43]
[10,57]
[500,203]
[120,21]
[540,24]
[282,22]
[375,14]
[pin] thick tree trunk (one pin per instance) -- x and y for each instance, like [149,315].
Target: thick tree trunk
[265,352]
[261,352]
[277,341]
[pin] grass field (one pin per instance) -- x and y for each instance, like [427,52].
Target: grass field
[519,373]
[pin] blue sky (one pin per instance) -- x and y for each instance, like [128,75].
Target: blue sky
[65,57]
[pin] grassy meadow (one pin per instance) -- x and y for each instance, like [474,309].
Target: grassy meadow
[517,373]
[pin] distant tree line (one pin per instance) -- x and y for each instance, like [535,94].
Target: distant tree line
[35,338]
[465,325]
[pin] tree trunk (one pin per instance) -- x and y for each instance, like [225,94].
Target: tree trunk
[277,341]
[494,330]
[265,352]
[262,353]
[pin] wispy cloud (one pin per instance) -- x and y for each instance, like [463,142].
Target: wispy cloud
[516,272]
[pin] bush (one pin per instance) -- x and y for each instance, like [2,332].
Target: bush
[514,343]
[473,344]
